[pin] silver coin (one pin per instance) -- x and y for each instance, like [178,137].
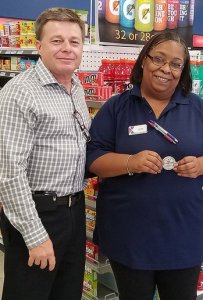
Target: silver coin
[168,162]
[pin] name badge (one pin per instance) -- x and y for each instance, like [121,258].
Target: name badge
[138,129]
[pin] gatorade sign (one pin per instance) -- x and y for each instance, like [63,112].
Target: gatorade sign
[130,22]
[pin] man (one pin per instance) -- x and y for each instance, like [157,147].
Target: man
[44,126]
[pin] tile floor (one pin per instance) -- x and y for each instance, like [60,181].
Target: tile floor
[1,271]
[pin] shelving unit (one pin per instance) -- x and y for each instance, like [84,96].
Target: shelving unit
[18,51]
[103,294]
[8,73]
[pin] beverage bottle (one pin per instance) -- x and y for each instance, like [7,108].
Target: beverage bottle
[144,15]
[201,78]
[173,13]
[127,13]
[196,82]
[160,18]
[200,279]
[192,10]
[184,13]
[112,11]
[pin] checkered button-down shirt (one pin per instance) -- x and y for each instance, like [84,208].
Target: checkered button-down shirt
[42,146]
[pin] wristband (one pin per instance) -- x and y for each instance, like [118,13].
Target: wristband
[127,168]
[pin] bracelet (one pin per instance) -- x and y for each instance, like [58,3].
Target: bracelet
[127,168]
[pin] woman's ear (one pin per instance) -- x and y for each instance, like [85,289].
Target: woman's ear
[143,62]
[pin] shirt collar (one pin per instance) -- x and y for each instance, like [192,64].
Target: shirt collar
[177,97]
[46,77]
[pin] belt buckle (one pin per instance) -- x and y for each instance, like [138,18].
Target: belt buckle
[70,200]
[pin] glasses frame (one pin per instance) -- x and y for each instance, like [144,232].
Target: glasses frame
[166,62]
[77,116]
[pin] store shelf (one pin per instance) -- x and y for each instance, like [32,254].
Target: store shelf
[18,51]
[8,73]
[101,267]
[95,103]
[103,294]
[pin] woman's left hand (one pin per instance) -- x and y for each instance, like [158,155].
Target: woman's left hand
[189,166]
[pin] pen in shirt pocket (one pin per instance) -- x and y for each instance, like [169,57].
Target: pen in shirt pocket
[165,133]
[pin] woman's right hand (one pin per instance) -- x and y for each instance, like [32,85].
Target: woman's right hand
[145,162]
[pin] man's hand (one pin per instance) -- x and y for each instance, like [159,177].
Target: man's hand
[42,256]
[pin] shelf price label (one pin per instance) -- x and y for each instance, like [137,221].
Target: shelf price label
[12,74]
[2,73]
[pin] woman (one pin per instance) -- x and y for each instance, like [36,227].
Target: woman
[150,202]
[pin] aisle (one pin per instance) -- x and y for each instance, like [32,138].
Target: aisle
[1,272]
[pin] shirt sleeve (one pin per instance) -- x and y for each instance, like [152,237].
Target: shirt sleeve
[17,121]
[102,131]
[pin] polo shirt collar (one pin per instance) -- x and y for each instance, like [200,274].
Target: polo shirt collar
[177,97]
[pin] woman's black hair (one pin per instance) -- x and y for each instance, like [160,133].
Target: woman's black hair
[185,82]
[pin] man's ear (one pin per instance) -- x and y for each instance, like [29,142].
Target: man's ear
[38,45]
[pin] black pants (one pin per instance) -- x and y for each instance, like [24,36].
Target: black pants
[141,284]
[66,228]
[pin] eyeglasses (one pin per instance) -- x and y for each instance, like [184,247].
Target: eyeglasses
[160,61]
[80,122]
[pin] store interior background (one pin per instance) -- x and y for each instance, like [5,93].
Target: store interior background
[30,10]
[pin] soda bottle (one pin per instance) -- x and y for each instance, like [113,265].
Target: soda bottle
[173,13]
[144,15]
[112,11]
[160,19]
[127,13]
[184,13]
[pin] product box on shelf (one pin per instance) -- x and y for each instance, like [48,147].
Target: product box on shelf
[5,63]
[15,63]
[93,111]
[97,93]
[91,78]
[92,187]
[92,251]
[90,281]
[90,218]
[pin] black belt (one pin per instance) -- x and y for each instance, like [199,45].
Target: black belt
[48,201]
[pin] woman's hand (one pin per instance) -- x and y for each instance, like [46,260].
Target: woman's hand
[145,162]
[189,166]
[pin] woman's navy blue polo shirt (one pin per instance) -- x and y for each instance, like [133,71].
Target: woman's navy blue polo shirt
[147,221]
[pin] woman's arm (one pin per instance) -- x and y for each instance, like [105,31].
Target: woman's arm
[115,164]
